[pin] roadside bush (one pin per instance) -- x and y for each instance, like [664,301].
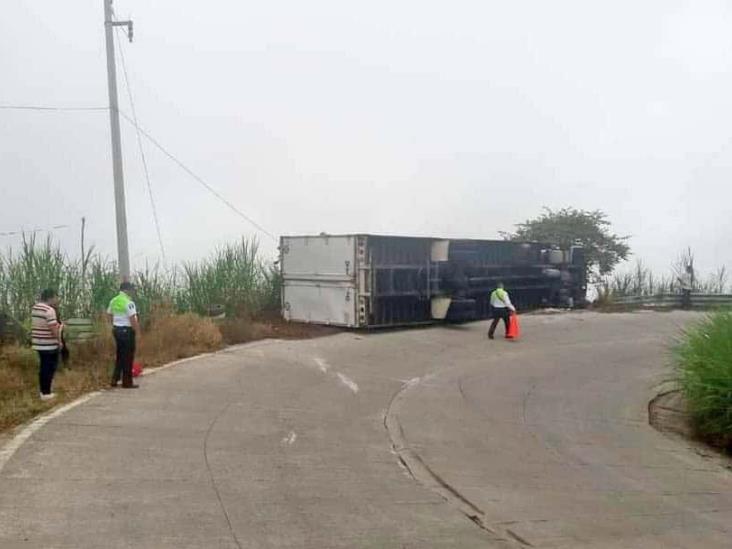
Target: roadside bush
[233,277]
[173,336]
[241,330]
[704,365]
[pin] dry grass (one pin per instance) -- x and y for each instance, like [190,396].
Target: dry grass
[171,337]
[240,330]
[19,384]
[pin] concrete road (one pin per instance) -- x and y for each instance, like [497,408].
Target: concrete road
[430,438]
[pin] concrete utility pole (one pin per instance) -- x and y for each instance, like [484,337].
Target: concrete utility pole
[119,178]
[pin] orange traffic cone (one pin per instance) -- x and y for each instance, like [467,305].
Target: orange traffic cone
[514,330]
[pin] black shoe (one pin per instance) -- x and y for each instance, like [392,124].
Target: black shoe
[113,384]
[133,386]
[490,336]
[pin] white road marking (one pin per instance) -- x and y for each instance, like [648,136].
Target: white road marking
[17,441]
[322,364]
[151,371]
[348,382]
[290,439]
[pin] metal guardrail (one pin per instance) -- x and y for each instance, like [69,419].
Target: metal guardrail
[79,329]
[75,329]
[11,330]
[698,301]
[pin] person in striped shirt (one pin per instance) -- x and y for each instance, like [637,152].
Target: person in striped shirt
[46,339]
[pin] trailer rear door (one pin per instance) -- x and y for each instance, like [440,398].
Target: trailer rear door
[319,281]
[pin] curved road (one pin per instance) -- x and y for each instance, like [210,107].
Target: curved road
[411,439]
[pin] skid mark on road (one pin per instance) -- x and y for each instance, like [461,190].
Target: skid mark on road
[214,484]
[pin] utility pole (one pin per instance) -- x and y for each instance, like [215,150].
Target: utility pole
[123,251]
[83,252]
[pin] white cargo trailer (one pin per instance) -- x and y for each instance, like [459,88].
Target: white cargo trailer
[362,280]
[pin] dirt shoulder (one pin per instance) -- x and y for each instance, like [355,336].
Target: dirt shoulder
[270,326]
[668,413]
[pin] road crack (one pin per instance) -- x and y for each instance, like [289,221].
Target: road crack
[211,477]
[421,472]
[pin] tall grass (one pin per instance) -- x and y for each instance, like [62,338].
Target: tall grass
[38,265]
[234,279]
[704,366]
[642,281]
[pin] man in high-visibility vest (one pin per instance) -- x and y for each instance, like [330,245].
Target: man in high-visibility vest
[501,308]
[126,329]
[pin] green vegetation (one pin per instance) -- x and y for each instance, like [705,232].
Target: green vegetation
[570,226]
[24,273]
[234,280]
[704,366]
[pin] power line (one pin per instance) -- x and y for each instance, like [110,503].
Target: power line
[49,108]
[198,178]
[162,149]
[142,150]
[32,231]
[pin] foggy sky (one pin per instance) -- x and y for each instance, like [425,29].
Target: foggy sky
[453,119]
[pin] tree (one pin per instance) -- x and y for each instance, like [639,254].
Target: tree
[570,226]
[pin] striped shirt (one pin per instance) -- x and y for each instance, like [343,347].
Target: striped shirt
[43,318]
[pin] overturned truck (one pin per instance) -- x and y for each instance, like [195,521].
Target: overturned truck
[363,281]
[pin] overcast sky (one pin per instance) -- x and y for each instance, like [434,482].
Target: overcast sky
[414,117]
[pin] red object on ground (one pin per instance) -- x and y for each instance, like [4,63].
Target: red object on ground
[136,369]
[514,329]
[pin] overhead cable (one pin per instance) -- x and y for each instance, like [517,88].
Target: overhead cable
[198,179]
[49,108]
[31,231]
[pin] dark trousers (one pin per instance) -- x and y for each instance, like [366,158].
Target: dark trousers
[125,339]
[498,315]
[49,363]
